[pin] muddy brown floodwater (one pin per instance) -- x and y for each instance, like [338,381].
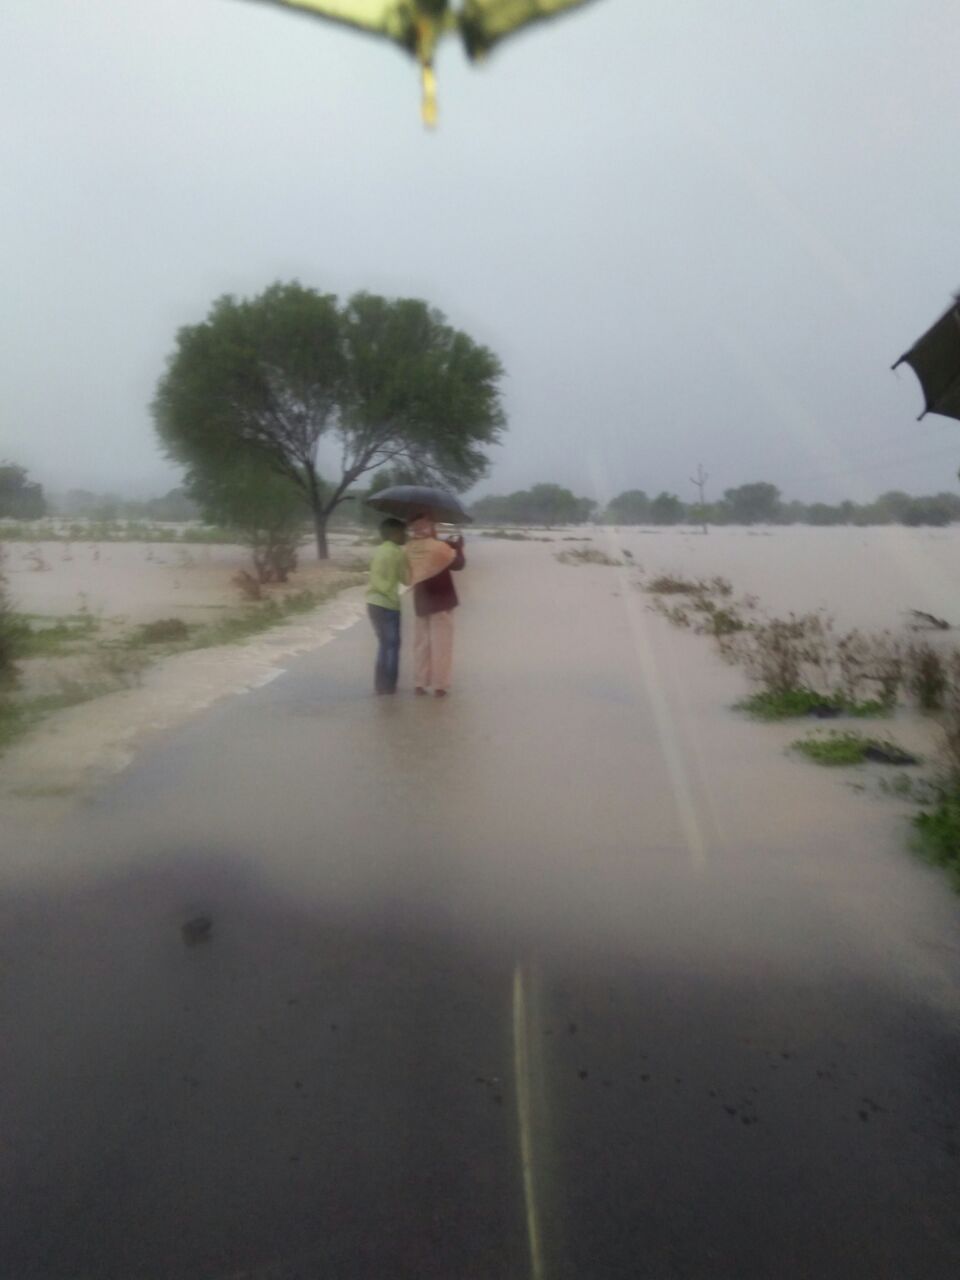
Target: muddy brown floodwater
[575,974]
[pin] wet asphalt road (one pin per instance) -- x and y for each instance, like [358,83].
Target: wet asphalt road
[559,978]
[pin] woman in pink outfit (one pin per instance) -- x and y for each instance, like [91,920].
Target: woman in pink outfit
[434,600]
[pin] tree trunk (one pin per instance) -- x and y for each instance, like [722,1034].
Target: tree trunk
[320,528]
[321,513]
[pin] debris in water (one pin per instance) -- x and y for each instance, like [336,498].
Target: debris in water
[928,620]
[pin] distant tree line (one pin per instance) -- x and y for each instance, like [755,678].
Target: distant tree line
[174,506]
[264,507]
[747,504]
[544,504]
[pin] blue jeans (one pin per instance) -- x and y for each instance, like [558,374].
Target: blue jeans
[386,623]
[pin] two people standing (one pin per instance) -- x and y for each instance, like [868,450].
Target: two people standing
[425,562]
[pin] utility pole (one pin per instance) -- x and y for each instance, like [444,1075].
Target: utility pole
[698,481]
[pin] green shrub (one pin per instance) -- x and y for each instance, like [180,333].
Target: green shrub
[51,638]
[162,630]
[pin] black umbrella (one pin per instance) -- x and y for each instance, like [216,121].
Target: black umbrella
[410,500]
[935,359]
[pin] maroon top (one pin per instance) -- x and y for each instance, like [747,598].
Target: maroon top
[438,594]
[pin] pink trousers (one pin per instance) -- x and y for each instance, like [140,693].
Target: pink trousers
[433,650]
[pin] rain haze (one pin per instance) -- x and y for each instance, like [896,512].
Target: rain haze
[693,233]
[396,891]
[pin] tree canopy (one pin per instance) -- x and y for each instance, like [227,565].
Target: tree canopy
[757,503]
[269,378]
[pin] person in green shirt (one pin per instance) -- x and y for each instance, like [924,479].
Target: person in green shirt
[388,570]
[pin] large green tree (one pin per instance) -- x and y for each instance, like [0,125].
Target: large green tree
[630,507]
[666,508]
[757,503]
[272,377]
[20,498]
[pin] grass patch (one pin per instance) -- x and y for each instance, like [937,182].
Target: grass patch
[19,716]
[49,639]
[788,704]
[262,617]
[588,555]
[852,748]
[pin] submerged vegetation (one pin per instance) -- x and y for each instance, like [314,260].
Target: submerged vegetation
[670,584]
[846,748]
[588,555]
[698,606]
[508,535]
[802,666]
[799,665]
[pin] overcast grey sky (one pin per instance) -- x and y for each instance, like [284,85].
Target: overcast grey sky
[693,232]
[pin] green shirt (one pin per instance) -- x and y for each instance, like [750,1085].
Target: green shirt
[388,569]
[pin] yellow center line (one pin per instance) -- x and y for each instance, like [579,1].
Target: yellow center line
[521,1071]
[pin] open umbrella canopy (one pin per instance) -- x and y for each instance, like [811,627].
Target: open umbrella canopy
[935,359]
[418,25]
[410,500]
